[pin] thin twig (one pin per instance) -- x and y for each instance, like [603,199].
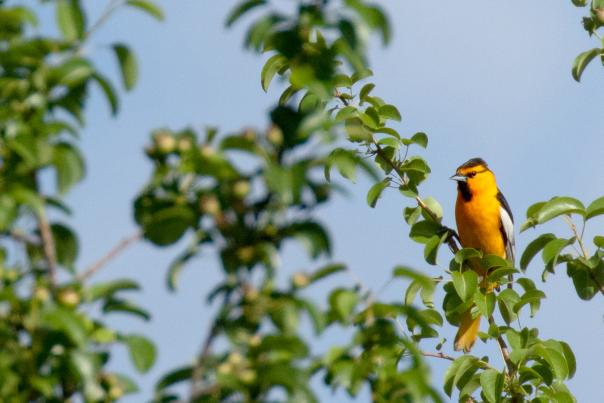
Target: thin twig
[452,234]
[113,252]
[23,237]
[438,355]
[573,228]
[197,373]
[206,350]
[584,250]
[48,246]
[109,9]
[504,348]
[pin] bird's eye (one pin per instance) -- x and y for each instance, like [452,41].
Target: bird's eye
[472,174]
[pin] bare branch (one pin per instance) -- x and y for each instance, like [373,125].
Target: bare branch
[438,355]
[116,250]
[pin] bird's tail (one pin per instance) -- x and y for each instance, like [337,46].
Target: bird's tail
[467,333]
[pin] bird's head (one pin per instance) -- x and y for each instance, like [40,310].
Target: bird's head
[474,176]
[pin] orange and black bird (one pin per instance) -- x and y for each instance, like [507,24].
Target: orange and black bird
[484,222]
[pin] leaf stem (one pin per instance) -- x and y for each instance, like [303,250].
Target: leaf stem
[573,228]
[113,252]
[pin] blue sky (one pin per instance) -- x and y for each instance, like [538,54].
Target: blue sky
[490,80]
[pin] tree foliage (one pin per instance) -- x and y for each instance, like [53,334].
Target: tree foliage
[243,197]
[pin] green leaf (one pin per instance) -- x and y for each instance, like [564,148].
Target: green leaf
[465,284]
[558,206]
[69,166]
[556,361]
[411,214]
[241,9]
[457,368]
[74,72]
[178,264]
[127,385]
[466,254]
[582,60]
[273,65]
[107,289]
[173,377]
[166,226]
[287,94]
[66,321]
[485,302]
[595,208]
[142,352]
[70,19]
[542,212]
[86,364]
[347,112]
[432,246]
[435,207]
[148,7]
[533,248]
[342,303]
[507,299]
[356,131]
[109,92]
[421,139]
[569,356]
[128,65]
[367,88]
[315,314]
[552,250]
[582,279]
[345,161]
[66,245]
[326,272]
[466,370]
[390,112]
[124,306]
[376,191]
[423,231]
[529,297]
[599,241]
[491,382]
[313,235]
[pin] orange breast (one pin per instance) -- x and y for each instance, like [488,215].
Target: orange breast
[478,223]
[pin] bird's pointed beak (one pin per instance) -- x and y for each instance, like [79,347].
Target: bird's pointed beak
[459,178]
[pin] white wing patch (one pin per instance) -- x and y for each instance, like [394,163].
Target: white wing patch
[507,227]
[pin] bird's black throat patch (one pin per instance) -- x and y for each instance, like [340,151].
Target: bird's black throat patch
[464,189]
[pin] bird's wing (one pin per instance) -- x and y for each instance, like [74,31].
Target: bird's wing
[507,227]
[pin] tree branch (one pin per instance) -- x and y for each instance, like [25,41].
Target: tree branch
[48,246]
[116,250]
[452,234]
[198,369]
[438,355]
[21,236]
[573,228]
[504,348]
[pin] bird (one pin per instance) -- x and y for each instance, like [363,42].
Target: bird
[484,222]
